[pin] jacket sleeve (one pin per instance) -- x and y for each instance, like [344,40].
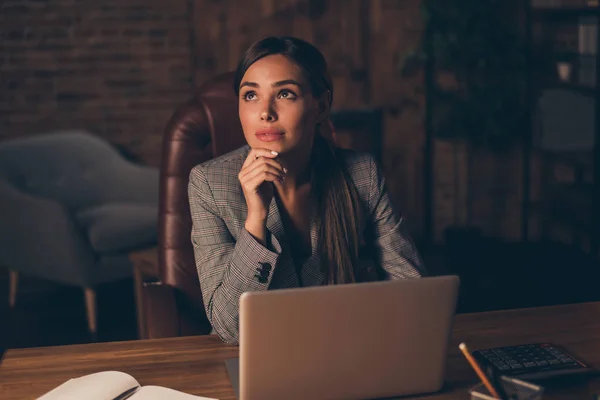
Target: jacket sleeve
[392,245]
[226,267]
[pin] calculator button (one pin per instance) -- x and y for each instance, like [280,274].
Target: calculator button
[529,364]
[571,364]
[554,362]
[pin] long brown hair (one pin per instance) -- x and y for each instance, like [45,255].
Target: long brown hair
[335,194]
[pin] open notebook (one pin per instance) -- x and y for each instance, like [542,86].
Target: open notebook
[113,385]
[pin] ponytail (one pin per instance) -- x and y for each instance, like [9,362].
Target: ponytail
[338,208]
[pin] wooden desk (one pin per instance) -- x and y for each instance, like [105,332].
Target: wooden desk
[196,364]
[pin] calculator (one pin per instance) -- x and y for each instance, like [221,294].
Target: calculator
[534,362]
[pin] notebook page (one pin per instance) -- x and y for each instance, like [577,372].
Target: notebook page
[106,385]
[160,393]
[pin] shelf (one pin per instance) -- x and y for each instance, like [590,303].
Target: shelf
[563,14]
[576,158]
[569,56]
[583,89]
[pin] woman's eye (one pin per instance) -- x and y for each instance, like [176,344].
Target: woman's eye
[249,96]
[287,94]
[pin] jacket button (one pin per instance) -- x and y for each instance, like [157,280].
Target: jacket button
[266,266]
[262,272]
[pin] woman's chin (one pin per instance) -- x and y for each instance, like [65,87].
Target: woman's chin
[277,146]
[280,146]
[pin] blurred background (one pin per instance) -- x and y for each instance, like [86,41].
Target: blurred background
[483,114]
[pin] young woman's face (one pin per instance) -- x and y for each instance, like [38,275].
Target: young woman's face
[276,106]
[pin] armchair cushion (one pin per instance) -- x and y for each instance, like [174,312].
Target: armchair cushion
[116,227]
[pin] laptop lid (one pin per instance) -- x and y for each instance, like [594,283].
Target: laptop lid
[354,341]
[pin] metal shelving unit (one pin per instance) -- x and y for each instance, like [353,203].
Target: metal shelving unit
[563,15]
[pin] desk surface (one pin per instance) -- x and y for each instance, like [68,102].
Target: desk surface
[196,364]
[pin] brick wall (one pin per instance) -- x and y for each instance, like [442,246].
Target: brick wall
[120,67]
[115,67]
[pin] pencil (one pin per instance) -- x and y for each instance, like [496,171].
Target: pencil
[478,371]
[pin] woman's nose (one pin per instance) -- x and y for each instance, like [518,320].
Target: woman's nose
[268,115]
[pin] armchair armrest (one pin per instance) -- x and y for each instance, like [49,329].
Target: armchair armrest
[160,311]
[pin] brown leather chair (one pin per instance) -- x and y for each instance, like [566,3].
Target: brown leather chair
[205,127]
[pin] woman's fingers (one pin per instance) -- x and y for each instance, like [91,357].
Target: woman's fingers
[262,164]
[261,170]
[256,153]
[253,184]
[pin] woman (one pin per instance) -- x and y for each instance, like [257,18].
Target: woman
[289,209]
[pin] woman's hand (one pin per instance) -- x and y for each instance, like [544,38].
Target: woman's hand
[259,173]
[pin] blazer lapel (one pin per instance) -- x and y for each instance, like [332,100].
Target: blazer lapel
[286,273]
[274,224]
[312,272]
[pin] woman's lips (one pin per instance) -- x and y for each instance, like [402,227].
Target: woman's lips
[269,134]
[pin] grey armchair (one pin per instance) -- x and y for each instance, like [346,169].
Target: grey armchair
[71,209]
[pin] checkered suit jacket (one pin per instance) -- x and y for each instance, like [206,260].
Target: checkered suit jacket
[230,261]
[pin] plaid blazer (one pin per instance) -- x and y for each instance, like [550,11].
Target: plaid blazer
[230,261]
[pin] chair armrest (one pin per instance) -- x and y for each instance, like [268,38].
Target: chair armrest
[160,311]
[39,238]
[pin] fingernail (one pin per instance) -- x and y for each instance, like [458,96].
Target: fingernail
[285,170]
[274,152]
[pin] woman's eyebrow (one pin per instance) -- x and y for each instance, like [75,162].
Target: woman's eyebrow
[276,84]
[287,82]
[251,84]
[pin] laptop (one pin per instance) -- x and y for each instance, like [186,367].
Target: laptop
[353,341]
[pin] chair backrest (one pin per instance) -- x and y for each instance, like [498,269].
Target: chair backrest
[77,169]
[204,128]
